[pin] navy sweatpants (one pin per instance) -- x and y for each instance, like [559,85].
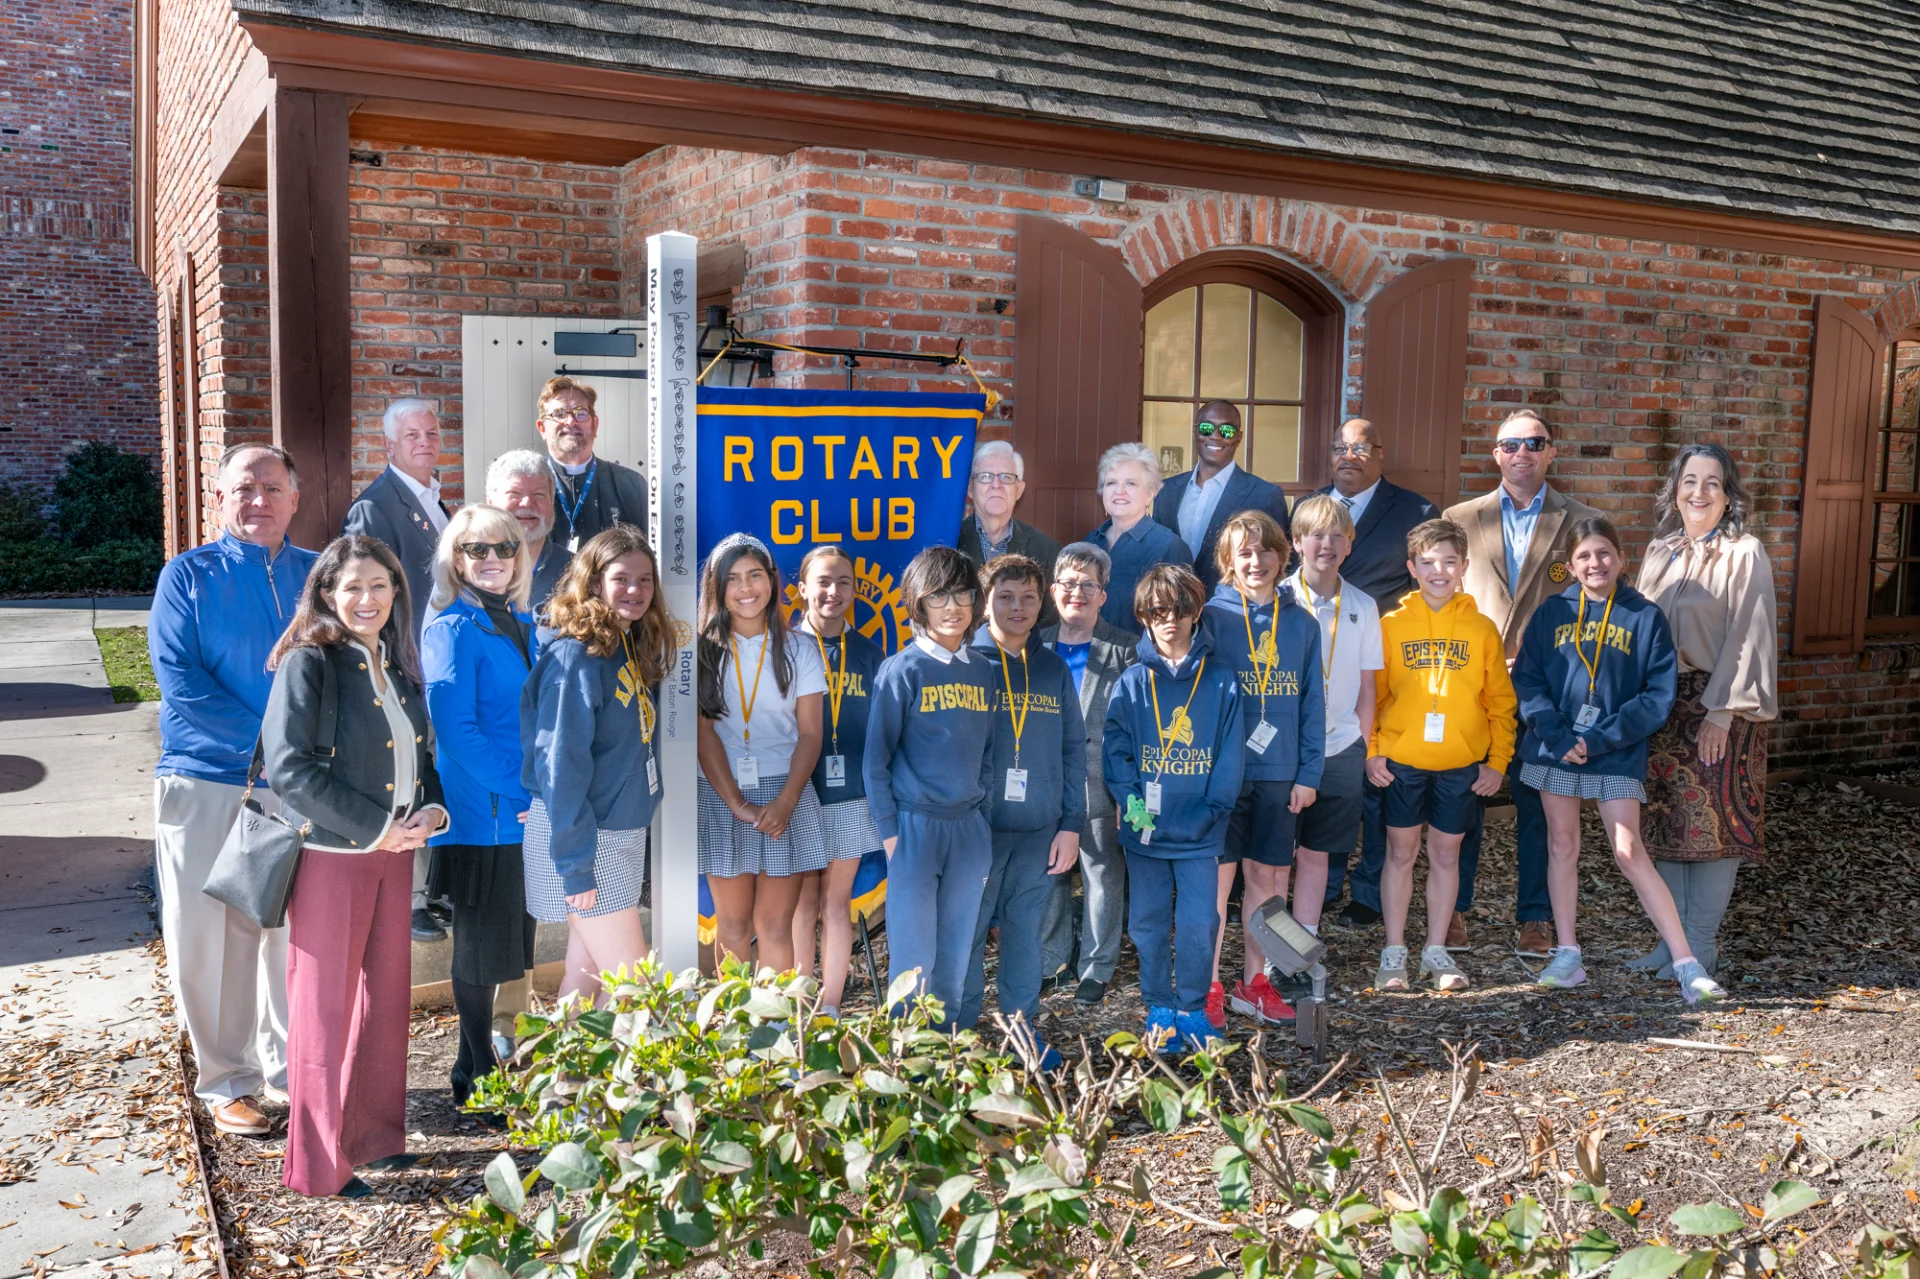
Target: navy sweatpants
[935,881]
[1172,915]
[1017,890]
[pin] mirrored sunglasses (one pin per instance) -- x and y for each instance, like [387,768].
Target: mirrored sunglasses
[480,550]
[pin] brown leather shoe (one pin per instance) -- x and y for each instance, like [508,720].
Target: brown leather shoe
[1457,933]
[242,1117]
[1536,940]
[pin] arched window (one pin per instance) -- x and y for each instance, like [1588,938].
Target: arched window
[1252,330]
[1893,600]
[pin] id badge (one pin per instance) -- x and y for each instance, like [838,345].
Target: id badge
[1436,726]
[1263,735]
[1153,798]
[836,770]
[1016,785]
[746,771]
[653,776]
[1589,716]
[573,544]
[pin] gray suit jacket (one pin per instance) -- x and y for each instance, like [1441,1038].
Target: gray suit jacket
[388,510]
[1112,651]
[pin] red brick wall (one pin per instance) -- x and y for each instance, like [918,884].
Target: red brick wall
[440,235]
[1630,347]
[77,360]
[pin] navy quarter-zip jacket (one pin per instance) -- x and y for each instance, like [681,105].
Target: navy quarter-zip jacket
[1287,638]
[1053,741]
[1634,686]
[928,738]
[1201,765]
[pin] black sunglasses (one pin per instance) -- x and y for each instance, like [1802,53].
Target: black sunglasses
[1165,613]
[1531,443]
[479,550]
[1225,430]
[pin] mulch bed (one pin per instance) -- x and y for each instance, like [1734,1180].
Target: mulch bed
[1819,957]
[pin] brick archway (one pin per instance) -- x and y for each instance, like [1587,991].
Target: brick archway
[1339,252]
[1898,311]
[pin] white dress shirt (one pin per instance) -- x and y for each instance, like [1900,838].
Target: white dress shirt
[428,496]
[938,651]
[1357,504]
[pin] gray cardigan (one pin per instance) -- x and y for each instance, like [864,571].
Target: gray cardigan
[347,793]
[1110,652]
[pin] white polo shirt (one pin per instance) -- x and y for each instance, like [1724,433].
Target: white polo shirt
[1349,645]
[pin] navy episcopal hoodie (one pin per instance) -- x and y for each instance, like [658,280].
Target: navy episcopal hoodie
[1634,687]
[856,705]
[1053,741]
[1287,638]
[1200,769]
[927,737]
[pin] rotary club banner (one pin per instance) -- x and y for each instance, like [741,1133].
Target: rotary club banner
[882,473]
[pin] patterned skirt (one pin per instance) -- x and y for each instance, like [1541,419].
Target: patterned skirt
[730,847]
[1564,781]
[1695,813]
[849,829]
[620,870]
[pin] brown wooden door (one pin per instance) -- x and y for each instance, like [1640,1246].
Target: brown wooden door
[1836,506]
[1077,317]
[1416,375]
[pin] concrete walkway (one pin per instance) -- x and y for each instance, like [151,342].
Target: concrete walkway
[81,996]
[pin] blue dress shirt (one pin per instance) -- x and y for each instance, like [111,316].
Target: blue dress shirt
[1516,529]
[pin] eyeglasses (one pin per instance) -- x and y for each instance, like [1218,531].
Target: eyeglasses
[1007,478]
[1361,450]
[480,550]
[947,599]
[1225,430]
[568,415]
[1076,588]
[1531,443]
[1164,613]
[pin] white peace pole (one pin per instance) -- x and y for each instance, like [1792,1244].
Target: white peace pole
[672,355]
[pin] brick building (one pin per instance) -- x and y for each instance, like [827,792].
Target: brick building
[77,349]
[1651,232]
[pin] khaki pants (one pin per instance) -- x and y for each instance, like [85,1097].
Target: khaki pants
[228,976]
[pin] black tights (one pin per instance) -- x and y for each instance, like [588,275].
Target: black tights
[475,1058]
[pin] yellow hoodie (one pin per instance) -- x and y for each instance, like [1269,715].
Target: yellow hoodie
[1472,690]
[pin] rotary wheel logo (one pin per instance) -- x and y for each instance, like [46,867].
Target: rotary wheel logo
[878,613]
[1558,574]
[682,634]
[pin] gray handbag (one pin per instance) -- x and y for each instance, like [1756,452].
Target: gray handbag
[254,872]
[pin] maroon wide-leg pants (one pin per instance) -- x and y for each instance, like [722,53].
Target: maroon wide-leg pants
[349,986]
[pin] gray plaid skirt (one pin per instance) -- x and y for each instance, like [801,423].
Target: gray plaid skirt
[730,847]
[849,827]
[619,870]
[1561,781]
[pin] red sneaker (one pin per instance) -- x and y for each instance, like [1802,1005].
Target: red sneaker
[1217,1006]
[1259,1000]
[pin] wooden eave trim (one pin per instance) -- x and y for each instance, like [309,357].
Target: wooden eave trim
[714,113]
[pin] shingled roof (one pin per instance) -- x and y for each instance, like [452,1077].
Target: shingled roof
[1800,109]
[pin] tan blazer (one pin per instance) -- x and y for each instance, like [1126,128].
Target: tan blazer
[1543,573]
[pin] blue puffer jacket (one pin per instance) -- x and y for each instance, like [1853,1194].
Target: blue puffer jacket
[217,612]
[474,675]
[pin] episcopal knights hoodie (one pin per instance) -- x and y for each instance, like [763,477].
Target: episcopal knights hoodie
[1635,679]
[1280,681]
[1053,741]
[1452,661]
[1194,746]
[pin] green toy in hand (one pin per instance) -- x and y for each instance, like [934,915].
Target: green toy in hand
[1138,817]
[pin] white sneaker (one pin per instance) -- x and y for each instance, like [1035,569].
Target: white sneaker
[1393,969]
[1437,963]
[1695,986]
[1565,971]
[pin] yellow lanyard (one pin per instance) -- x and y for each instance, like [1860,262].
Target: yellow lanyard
[739,682]
[1439,690]
[1599,641]
[1166,731]
[643,703]
[836,686]
[1261,672]
[1016,711]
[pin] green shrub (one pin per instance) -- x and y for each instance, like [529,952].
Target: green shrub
[47,566]
[106,495]
[694,1119]
[20,514]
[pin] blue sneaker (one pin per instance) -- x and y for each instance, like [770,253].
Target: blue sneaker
[1196,1031]
[1163,1031]
[1050,1059]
